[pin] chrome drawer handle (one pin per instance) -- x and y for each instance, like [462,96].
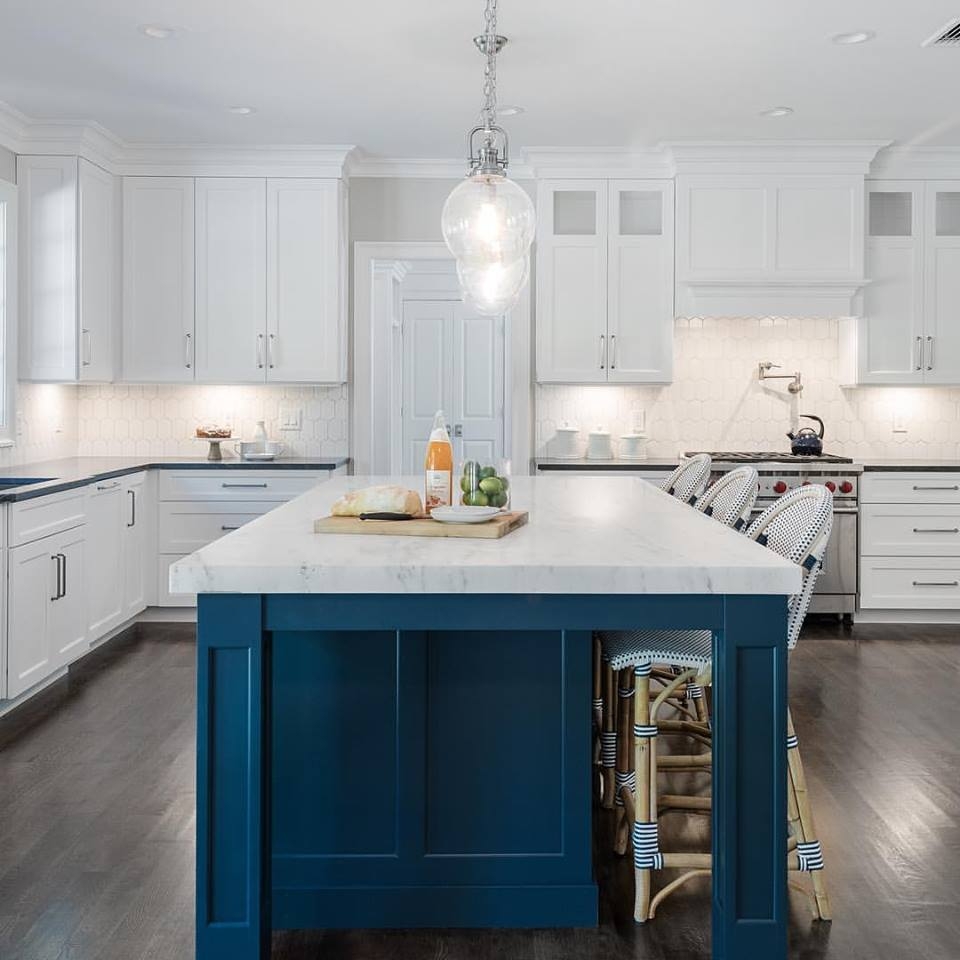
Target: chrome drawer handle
[108,486]
[955,487]
[936,530]
[936,583]
[243,485]
[227,526]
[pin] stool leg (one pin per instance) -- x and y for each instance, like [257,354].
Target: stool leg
[625,779]
[608,735]
[646,781]
[800,801]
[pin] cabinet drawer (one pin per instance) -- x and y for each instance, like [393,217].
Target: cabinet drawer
[164,597]
[909,583]
[230,484]
[910,530]
[32,519]
[925,487]
[185,527]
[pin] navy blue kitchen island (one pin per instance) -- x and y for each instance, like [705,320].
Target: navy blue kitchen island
[400,758]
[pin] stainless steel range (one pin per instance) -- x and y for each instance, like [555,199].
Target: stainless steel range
[836,590]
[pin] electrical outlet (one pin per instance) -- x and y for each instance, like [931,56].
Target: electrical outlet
[291,418]
[899,422]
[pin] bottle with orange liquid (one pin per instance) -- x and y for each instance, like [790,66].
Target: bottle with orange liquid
[438,466]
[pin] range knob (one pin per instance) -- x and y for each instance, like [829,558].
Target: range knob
[779,487]
[846,487]
[806,483]
[831,486]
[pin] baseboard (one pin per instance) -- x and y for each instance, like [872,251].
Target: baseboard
[907,616]
[168,615]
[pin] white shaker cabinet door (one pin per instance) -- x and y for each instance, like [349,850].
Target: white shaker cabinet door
[67,617]
[306,257]
[158,279]
[941,354]
[33,585]
[572,342]
[105,575]
[136,515]
[640,307]
[231,280]
[48,255]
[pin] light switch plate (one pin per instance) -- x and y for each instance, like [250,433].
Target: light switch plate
[899,422]
[291,418]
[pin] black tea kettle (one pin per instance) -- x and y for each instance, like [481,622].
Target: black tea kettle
[806,442]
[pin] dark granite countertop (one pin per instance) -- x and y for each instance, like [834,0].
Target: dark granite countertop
[650,464]
[66,474]
[910,466]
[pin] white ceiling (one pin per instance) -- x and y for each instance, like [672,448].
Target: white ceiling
[401,77]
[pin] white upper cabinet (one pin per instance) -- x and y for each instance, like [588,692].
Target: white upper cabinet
[605,281]
[908,333]
[306,284]
[158,279]
[770,244]
[231,280]
[68,243]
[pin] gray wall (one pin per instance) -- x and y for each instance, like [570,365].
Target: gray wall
[8,165]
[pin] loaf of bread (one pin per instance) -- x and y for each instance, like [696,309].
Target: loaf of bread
[387,498]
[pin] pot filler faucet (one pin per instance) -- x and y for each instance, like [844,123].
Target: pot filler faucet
[796,384]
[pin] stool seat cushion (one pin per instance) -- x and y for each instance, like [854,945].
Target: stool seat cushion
[630,648]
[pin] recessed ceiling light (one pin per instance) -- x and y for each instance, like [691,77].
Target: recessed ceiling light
[510,110]
[777,112]
[157,31]
[241,111]
[857,36]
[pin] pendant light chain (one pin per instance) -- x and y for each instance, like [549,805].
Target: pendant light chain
[489,110]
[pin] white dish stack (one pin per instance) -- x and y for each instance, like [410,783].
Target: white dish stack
[599,446]
[566,442]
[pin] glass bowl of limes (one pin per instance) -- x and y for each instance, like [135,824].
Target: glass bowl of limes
[484,485]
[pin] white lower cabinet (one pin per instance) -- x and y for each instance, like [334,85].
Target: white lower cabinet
[910,541]
[137,514]
[105,602]
[47,626]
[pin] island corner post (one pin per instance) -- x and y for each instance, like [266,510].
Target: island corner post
[412,760]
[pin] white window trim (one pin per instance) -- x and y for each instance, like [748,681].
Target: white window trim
[8,317]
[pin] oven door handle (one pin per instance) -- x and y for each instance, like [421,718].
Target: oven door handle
[846,509]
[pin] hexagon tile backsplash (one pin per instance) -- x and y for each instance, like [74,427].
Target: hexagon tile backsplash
[716,401]
[160,420]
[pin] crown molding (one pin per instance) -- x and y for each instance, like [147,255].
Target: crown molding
[212,160]
[916,163]
[774,156]
[569,163]
[362,164]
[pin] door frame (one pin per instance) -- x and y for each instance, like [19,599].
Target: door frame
[378,268]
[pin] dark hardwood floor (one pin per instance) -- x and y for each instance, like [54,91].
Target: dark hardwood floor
[97,817]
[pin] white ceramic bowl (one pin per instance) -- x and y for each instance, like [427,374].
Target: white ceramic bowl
[254,450]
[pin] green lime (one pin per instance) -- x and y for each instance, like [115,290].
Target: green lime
[487,472]
[491,486]
[467,483]
[476,499]
[498,500]
[504,482]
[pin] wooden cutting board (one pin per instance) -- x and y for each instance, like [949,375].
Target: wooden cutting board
[499,526]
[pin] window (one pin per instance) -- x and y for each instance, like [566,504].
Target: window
[8,308]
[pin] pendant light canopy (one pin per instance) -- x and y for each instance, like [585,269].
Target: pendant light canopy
[488,221]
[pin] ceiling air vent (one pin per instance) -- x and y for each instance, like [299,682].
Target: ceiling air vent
[947,36]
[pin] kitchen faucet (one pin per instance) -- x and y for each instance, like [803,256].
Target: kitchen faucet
[795,386]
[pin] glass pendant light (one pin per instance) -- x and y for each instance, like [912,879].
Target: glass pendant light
[488,221]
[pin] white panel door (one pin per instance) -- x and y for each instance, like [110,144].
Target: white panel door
[105,575]
[98,270]
[67,620]
[572,281]
[231,249]
[158,279]
[476,412]
[306,330]
[33,582]
[48,267]
[427,373]
[891,328]
[641,288]
[941,363]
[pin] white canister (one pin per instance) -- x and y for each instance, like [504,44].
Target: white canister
[566,442]
[598,445]
[633,446]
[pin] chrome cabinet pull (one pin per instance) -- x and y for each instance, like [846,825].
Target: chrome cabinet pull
[87,351]
[930,357]
[613,351]
[936,583]
[227,526]
[954,487]
[919,353]
[56,559]
[63,557]
[108,486]
[603,344]
[936,530]
[270,342]
[133,508]
[227,485]
[259,351]
[187,350]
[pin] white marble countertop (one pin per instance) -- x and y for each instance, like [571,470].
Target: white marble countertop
[602,535]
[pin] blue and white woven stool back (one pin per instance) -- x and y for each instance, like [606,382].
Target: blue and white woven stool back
[688,480]
[731,498]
